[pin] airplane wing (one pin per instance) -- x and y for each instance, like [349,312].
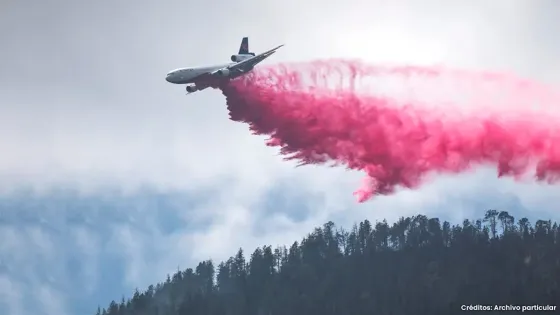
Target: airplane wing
[248,64]
[207,79]
[213,78]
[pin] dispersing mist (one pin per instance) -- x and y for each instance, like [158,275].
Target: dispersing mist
[323,112]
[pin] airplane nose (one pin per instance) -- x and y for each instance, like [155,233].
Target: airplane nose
[168,78]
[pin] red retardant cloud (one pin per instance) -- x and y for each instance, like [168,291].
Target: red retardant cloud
[335,112]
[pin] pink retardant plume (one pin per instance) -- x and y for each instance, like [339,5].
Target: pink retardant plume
[327,112]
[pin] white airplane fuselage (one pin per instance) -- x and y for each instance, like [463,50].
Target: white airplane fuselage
[200,78]
[187,75]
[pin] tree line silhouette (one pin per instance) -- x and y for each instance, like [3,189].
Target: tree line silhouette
[418,265]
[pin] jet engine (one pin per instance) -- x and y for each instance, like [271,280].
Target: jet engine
[238,58]
[191,88]
[223,72]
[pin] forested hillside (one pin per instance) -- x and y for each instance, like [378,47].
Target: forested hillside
[418,265]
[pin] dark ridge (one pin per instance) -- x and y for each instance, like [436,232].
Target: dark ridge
[419,265]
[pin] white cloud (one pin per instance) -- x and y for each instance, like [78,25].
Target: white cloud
[10,295]
[88,248]
[51,301]
[85,104]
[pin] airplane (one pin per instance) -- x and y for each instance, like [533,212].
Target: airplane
[200,78]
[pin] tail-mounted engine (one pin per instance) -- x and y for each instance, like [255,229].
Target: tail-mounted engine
[239,58]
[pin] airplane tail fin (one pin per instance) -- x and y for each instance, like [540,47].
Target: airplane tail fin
[244,47]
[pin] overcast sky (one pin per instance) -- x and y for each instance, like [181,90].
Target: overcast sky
[161,180]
